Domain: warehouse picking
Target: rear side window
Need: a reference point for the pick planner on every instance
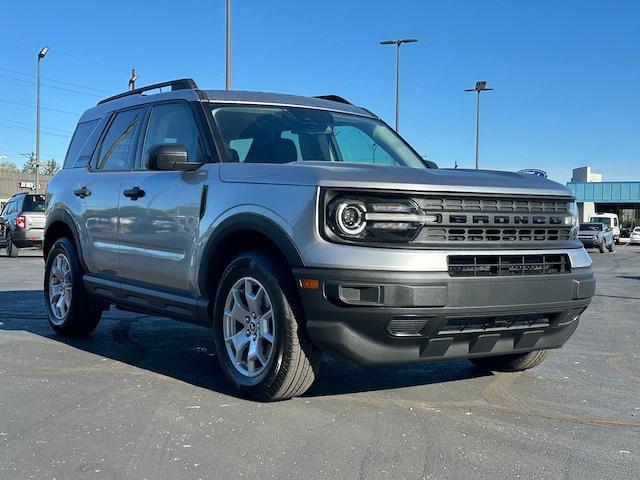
(80, 137)
(33, 203)
(117, 149)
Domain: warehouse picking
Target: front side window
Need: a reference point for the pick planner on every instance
(279, 134)
(117, 149)
(172, 123)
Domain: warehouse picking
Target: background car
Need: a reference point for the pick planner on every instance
(22, 223)
(635, 236)
(596, 235)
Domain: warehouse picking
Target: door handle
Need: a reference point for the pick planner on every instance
(82, 192)
(134, 193)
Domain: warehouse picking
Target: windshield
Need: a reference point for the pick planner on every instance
(636, 230)
(278, 134)
(33, 203)
(591, 227)
(602, 220)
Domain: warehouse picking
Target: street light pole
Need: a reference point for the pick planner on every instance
(397, 43)
(41, 54)
(481, 86)
(228, 74)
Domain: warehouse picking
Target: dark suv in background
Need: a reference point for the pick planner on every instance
(22, 223)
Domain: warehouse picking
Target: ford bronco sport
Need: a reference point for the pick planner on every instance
(293, 226)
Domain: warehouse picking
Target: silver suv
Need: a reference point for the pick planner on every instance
(22, 222)
(293, 226)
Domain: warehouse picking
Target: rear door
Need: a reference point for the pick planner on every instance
(159, 228)
(99, 191)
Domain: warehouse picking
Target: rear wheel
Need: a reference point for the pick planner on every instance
(66, 302)
(261, 341)
(512, 363)
(10, 248)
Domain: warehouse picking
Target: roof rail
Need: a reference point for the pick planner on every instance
(334, 98)
(180, 84)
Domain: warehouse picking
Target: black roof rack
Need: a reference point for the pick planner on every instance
(180, 84)
(334, 98)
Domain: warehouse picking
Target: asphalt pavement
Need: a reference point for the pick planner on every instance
(143, 398)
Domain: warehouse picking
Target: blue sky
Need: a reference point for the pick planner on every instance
(565, 74)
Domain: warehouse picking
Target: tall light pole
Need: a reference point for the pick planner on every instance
(481, 86)
(228, 77)
(41, 54)
(132, 80)
(397, 43)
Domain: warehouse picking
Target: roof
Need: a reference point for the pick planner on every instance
(264, 98)
(186, 89)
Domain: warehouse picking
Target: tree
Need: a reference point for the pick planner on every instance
(8, 166)
(30, 165)
(50, 167)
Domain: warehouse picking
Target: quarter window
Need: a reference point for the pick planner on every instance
(117, 149)
(83, 130)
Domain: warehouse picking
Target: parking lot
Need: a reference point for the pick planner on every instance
(144, 398)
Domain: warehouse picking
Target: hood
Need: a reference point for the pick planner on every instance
(378, 177)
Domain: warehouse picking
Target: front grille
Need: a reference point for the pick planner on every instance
(507, 265)
(494, 222)
(505, 205)
(493, 235)
(494, 323)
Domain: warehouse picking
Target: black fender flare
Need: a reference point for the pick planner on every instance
(61, 216)
(248, 221)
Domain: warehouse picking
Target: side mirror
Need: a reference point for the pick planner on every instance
(431, 164)
(170, 157)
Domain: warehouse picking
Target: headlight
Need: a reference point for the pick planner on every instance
(350, 217)
(376, 219)
(573, 220)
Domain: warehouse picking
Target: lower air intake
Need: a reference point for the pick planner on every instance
(407, 326)
(507, 265)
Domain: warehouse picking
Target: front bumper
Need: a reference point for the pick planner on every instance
(590, 242)
(373, 317)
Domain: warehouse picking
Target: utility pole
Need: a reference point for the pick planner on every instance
(397, 43)
(132, 80)
(228, 56)
(481, 86)
(41, 54)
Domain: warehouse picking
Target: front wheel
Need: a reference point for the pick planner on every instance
(516, 362)
(66, 301)
(261, 341)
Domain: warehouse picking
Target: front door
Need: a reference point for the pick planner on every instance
(160, 210)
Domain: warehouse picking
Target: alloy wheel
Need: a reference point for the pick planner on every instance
(248, 327)
(60, 288)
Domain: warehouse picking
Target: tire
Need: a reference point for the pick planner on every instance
(512, 363)
(75, 317)
(10, 248)
(610, 247)
(601, 247)
(282, 368)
